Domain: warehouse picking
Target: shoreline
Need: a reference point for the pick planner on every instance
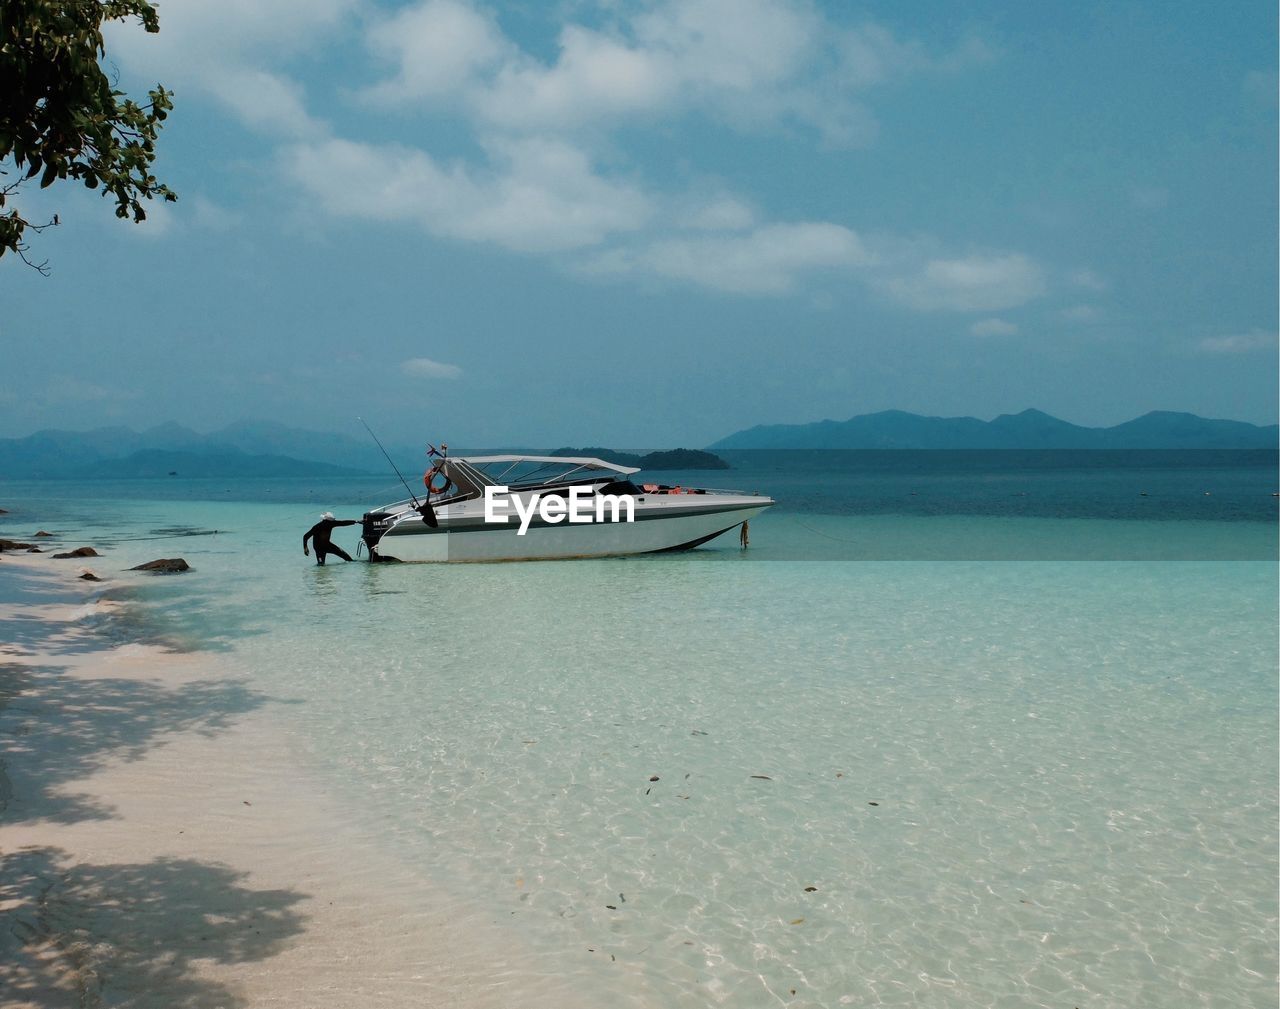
(161, 845)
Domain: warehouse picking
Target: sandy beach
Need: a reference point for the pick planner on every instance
(161, 848)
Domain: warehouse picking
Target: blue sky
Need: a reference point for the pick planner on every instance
(650, 224)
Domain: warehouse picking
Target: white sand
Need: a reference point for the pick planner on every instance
(159, 846)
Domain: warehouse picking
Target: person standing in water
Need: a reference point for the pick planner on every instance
(320, 533)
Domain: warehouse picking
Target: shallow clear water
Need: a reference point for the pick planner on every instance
(1021, 782)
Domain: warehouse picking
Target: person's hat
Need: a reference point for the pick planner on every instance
(327, 515)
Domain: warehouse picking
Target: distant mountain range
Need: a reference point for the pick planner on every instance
(243, 449)
(248, 449)
(1031, 429)
(268, 449)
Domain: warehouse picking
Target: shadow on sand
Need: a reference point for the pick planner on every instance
(57, 729)
(81, 934)
(89, 935)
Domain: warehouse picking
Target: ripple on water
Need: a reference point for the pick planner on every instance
(1031, 784)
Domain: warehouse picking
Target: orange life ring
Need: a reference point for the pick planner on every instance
(430, 475)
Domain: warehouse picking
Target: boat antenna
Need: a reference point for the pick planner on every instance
(388, 458)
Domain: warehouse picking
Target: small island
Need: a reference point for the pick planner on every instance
(676, 458)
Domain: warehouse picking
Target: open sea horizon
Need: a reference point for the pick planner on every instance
(958, 729)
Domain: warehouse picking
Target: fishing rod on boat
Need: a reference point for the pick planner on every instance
(424, 507)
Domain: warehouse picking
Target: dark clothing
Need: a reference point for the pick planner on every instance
(331, 549)
(320, 533)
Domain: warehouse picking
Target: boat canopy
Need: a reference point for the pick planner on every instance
(471, 474)
(577, 462)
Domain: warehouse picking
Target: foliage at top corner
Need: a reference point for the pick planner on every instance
(62, 118)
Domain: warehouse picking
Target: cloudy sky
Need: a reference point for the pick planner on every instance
(654, 223)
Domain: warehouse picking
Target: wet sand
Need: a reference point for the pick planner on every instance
(160, 846)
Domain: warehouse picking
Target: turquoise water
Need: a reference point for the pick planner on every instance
(1009, 782)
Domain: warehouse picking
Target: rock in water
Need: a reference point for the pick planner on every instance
(164, 566)
(12, 545)
(89, 576)
(79, 552)
(42, 534)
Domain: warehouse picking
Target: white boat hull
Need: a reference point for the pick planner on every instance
(671, 524)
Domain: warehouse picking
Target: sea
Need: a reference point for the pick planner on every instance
(957, 729)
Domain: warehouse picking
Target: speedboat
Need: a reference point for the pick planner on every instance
(530, 507)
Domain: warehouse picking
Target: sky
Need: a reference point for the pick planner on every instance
(650, 224)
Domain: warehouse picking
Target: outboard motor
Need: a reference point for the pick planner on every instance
(373, 524)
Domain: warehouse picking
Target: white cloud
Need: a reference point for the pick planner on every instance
(539, 184)
(975, 283)
(871, 54)
(548, 196)
(776, 258)
(720, 213)
(736, 45)
(424, 367)
(218, 47)
(438, 47)
(749, 63)
(536, 195)
(1087, 279)
(160, 222)
(266, 102)
(209, 215)
(1240, 343)
(1081, 313)
(165, 219)
(540, 195)
(191, 28)
(596, 77)
(672, 55)
(767, 260)
(993, 327)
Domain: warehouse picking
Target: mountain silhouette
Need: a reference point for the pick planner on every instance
(1030, 429)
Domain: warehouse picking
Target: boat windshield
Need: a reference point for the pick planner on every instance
(473, 474)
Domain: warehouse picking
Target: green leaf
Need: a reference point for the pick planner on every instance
(61, 117)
